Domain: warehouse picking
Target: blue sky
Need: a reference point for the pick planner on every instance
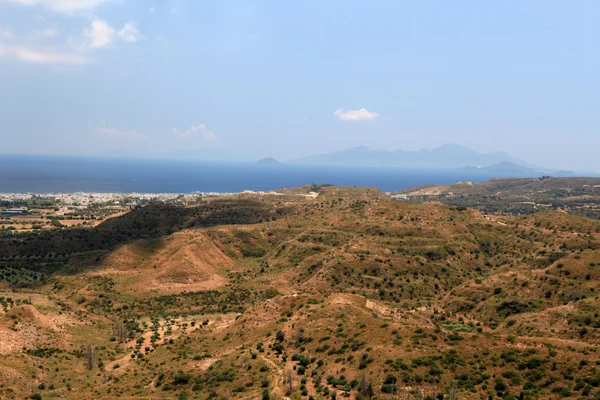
(249, 79)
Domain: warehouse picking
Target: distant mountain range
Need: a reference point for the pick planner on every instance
(448, 156)
(507, 168)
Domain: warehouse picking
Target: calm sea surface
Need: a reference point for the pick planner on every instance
(47, 174)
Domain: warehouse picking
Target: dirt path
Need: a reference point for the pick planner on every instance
(493, 220)
(278, 382)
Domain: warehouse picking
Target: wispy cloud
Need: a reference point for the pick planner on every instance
(40, 56)
(113, 132)
(63, 6)
(102, 34)
(130, 33)
(48, 32)
(6, 34)
(74, 51)
(355, 115)
(46, 46)
(200, 130)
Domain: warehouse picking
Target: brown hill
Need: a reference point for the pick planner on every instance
(515, 196)
(186, 260)
(349, 295)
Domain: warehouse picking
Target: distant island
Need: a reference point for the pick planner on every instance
(268, 161)
(509, 169)
(448, 156)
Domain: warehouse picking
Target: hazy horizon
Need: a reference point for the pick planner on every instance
(247, 158)
(233, 81)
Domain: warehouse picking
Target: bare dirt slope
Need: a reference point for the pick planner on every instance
(187, 260)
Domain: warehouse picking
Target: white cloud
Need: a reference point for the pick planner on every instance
(113, 132)
(40, 47)
(201, 129)
(130, 33)
(43, 45)
(40, 56)
(63, 6)
(102, 34)
(355, 115)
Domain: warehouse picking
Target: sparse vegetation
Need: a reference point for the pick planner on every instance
(343, 295)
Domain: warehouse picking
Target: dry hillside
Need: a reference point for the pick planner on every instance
(347, 294)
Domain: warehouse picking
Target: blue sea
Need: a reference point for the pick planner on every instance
(61, 174)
